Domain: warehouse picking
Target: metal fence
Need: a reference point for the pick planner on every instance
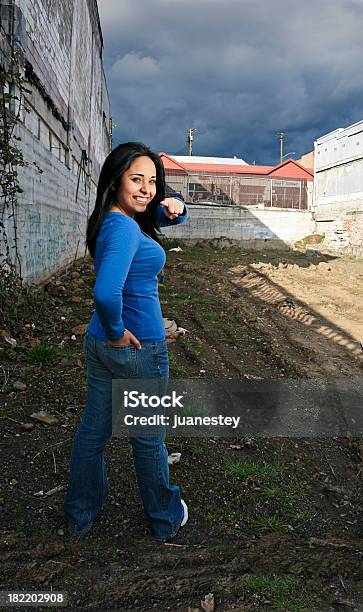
(240, 190)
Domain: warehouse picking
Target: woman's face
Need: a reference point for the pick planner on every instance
(137, 186)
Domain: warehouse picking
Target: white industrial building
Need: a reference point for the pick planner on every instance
(339, 188)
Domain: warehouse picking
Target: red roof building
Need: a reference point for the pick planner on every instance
(285, 185)
(292, 169)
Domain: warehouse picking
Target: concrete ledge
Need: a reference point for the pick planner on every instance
(251, 228)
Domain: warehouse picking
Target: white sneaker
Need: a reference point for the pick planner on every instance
(186, 514)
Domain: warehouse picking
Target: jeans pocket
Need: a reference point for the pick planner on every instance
(121, 360)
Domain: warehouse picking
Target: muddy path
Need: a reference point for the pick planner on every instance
(274, 523)
(281, 314)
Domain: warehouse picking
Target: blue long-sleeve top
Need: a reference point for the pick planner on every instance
(127, 262)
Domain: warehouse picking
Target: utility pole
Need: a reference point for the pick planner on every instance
(190, 140)
(282, 137)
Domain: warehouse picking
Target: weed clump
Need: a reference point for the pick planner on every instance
(42, 354)
(284, 593)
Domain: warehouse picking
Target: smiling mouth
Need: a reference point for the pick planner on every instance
(141, 200)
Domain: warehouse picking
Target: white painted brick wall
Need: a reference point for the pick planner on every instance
(48, 26)
(50, 223)
(82, 70)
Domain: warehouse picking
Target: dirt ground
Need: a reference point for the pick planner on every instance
(275, 524)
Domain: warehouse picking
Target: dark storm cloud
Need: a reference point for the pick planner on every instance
(239, 71)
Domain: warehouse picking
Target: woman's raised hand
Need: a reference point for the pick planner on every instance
(127, 338)
(173, 207)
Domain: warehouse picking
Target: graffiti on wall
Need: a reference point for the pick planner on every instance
(50, 241)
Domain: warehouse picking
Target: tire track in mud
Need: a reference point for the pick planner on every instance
(172, 577)
(291, 324)
(224, 364)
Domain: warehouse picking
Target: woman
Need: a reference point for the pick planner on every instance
(126, 336)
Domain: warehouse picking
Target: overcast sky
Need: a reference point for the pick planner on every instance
(239, 71)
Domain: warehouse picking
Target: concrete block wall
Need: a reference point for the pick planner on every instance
(252, 228)
(50, 223)
(82, 72)
(68, 112)
(45, 33)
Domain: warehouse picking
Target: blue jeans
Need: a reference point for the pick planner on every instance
(88, 484)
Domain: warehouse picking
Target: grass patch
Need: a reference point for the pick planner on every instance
(67, 358)
(182, 299)
(194, 411)
(299, 517)
(267, 472)
(193, 299)
(12, 354)
(194, 345)
(203, 300)
(293, 490)
(176, 369)
(199, 447)
(223, 521)
(265, 522)
(42, 354)
(273, 484)
(210, 316)
(273, 479)
(289, 517)
(201, 254)
(284, 593)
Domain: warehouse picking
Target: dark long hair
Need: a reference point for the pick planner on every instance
(116, 163)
